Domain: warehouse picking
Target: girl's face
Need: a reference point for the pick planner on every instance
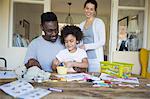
(70, 43)
(89, 10)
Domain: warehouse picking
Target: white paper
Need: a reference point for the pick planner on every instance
(36, 93)
(71, 77)
(77, 76)
(22, 89)
(112, 78)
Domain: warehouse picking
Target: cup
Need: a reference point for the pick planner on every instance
(61, 70)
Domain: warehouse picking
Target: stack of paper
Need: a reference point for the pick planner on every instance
(77, 76)
(112, 78)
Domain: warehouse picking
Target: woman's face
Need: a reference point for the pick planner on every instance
(89, 10)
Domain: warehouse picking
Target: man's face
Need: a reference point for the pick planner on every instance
(51, 30)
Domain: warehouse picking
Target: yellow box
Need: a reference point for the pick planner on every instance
(118, 69)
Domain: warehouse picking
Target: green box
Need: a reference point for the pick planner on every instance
(118, 69)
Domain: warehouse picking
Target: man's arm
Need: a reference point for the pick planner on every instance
(55, 63)
(32, 62)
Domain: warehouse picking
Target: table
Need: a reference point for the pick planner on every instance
(84, 90)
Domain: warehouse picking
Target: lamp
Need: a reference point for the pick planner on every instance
(69, 20)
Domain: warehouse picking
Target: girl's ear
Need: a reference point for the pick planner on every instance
(77, 42)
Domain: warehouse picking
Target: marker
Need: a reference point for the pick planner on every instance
(56, 90)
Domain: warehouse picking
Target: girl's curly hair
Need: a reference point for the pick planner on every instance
(73, 30)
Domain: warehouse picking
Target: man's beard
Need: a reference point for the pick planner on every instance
(51, 38)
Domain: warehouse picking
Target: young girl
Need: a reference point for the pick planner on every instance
(73, 57)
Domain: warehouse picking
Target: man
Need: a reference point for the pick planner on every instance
(43, 49)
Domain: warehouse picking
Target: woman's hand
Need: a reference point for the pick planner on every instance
(82, 46)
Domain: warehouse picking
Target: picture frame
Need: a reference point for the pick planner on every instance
(123, 21)
(122, 33)
(26, 26)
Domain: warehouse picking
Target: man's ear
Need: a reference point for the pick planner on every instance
(41, 27)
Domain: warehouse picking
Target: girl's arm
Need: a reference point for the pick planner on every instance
(83, 64)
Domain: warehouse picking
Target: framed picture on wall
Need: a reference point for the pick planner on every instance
(122, 34)
(26, 26)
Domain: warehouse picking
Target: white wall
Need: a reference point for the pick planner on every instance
(14, 56)
(4, 22)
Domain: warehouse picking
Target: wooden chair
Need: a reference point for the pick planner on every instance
(5, 61)
(144, 58)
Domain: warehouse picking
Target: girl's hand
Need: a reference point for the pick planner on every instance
(68, 64)
(55, 62)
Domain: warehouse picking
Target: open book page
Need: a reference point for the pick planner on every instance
(7, 74)
(36, 93)
(23, 89)
(16, 88)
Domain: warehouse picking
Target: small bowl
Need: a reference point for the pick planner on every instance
(61, 70)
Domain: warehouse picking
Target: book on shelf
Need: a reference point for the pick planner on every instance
(24, 90)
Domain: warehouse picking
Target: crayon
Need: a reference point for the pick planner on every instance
(56, 90)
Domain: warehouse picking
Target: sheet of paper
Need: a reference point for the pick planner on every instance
(36, 93)
(7, 74)
(71, 77)
(78, 76)
(16, 88)
(23, 89)
(112, 78)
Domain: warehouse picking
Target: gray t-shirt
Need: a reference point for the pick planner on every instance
(89, 38)
(43, 51)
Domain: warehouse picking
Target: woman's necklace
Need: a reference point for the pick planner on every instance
(88, 23)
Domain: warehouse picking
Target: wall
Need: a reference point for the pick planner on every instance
(4, 22)
(14, 56)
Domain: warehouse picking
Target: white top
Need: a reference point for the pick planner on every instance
(99, 38)
(43, 51)
(65, 55)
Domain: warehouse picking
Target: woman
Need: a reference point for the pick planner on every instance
(94, 36)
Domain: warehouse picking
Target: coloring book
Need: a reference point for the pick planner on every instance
(24, 90)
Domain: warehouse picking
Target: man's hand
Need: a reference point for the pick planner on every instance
(33, 62)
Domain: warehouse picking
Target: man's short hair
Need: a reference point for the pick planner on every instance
(48, 16)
